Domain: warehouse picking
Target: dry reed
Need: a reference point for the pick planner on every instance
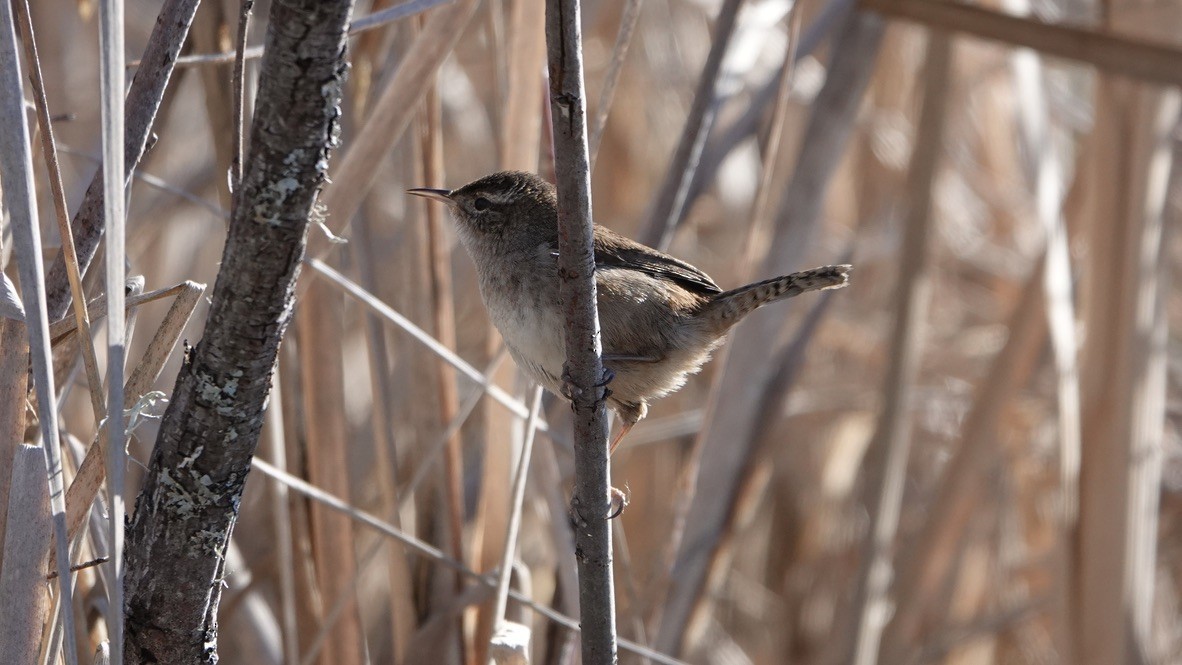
(1026, 508)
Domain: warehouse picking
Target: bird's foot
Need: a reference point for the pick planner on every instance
(617, 502)
(608, 375)
(571, 390)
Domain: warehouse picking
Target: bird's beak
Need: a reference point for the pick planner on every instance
(427, 193)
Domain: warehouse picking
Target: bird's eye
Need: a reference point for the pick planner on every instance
(481, 204)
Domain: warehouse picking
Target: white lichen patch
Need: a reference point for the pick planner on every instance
(182, 501)
(220, 396)
(176, 498)
(269, 199)
(286, 186)
(191, 457)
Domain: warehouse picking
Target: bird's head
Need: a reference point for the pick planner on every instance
(512, 207)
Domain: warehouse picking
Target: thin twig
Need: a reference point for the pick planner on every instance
(584, 365)
(276, 442)
(96, 307)
(239, 93)
(81, 566)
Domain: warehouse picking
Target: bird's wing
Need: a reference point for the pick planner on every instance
(613, 250)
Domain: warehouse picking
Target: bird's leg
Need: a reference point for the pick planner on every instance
(618, 499)
(626, 358)
(616, 441)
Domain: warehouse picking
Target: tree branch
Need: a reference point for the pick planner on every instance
(184, 516)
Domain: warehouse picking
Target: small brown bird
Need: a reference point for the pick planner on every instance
(659, 317)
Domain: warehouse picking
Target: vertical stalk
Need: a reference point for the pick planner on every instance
(584, 366)
(20, 202)
(111, 84)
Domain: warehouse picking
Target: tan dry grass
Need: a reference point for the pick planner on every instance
(989, 566)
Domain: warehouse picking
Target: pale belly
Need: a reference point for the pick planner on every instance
(535, 340)
(530, 321)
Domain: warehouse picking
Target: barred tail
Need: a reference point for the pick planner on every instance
(727, 309)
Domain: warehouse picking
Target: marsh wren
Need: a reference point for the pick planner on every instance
(659, 317)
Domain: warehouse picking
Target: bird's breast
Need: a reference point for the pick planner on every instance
(522, 302)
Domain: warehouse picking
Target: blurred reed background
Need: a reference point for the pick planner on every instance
(969, 456)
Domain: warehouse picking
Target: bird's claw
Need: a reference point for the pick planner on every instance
(571, 390)
(606, 377)
(617, 502)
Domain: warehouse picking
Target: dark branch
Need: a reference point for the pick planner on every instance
(177, 539)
